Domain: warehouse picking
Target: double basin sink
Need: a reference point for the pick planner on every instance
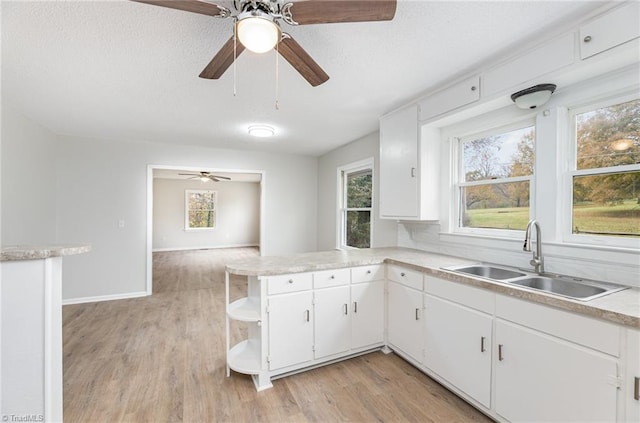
(564, 286)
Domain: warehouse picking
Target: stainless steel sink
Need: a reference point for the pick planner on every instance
(565, 286)
(487, 271)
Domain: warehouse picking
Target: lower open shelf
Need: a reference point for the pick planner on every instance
(245, 358)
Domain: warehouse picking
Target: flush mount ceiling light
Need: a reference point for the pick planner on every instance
(261, 131)
(533, 97)
(257, 31)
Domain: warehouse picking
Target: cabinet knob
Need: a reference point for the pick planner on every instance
(587, 38)
(290, 281)
(402, 274)
(473, 88)
(332, 277)
(368, 272)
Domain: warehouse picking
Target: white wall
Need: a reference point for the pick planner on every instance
(103, 181)
(28, 181)
(237, 215)
(384, 231)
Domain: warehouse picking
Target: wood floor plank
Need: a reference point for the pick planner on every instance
(162, 359)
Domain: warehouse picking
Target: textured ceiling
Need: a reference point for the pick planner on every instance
(125, 70)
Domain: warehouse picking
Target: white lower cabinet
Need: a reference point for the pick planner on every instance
(458, 346)
(367, 314)
(542, 378)
(332, 321)
(404, 320)
(290, 329)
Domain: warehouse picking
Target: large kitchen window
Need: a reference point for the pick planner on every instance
(494, 189)
(604, 179)
(200, 209)
(356, 199)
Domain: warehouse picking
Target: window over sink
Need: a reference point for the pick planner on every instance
(494, 181)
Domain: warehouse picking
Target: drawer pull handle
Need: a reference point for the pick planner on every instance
(417, 314)
(368, 272)
(636, 388)
(482, 349)
(332, 277)
(290, 281)
(500, 356)
(587, 38)
(402, 274)
(346, 309)
(308, 314)
(355, 306)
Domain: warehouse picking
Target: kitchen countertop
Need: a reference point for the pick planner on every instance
(39, 252)
(621, 307)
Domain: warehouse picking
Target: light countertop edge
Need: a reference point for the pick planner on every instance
(40, 252)
(621, 307)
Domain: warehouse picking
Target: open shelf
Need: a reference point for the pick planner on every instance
(244, 309)
(244, 357)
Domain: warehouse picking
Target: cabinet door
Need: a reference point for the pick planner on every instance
(631, 386)
(290, 329)
(404, 320)
(367, 314)
(542, 378)
(399, 164)
(613, 28)
(458, 346)
(332, 321)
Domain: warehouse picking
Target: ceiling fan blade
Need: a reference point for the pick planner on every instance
(309, 12)
(222, 60)
(222, 177)
(187, 174)
(195, 6)
(301, 61)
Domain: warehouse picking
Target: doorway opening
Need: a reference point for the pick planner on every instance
(192, 208)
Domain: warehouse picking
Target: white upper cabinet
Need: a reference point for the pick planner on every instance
(451, 98)
(409, 167)
(612, 29)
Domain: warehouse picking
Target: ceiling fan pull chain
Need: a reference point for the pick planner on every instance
(277, 74)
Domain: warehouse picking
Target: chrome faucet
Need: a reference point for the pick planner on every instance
(537, 262)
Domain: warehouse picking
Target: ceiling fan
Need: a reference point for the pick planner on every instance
(257, 25)
(205, 176)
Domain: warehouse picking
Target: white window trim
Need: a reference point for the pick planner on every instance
(570, 171)
(458, 176)
(341, 235)
(186, 210)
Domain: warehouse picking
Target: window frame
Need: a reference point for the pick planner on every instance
(570, 171)
(343, 171)
(187, 193)
(459, 183)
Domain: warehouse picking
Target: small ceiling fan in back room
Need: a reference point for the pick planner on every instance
(205, 176)
(257, 25)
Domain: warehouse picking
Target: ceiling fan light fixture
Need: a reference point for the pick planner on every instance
(533, 97)
(261, 131)
(257, 31)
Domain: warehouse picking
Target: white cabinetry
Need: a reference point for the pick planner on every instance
(332, 321)
(367, 317)
(290, 329)
(631, 383)
(610, 30)
(556, 368)
(409, 166)
(451, 98)
(404, 312)
(458, 346)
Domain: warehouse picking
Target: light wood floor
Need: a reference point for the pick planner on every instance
(162, 359)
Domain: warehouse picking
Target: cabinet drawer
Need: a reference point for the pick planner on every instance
(410, 278)
(281, 284)
(367, 273)
(328, 278)
(612, 29)
(586, 331)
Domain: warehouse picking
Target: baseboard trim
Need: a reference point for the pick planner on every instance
(100, 298)
(204, 247)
